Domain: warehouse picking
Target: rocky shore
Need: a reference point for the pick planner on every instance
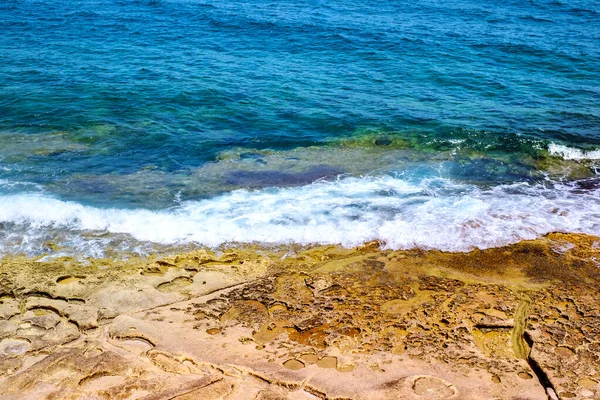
(518, 322)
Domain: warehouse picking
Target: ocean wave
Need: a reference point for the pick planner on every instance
(431, 214)
(572, 153)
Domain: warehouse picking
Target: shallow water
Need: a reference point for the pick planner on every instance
(434, 124)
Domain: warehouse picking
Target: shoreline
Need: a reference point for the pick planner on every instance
(520, 321)
(416, 211)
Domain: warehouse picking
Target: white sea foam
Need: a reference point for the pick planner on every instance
(572, 153)
(434, 213)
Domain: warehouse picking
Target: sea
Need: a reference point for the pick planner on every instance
(140, 126)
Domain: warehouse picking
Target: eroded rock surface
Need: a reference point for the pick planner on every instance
(521, 322)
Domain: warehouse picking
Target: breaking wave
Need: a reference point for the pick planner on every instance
(432, 213)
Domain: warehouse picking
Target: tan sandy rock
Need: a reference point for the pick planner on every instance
(520, 322)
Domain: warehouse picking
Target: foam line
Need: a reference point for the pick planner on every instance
(433, 214)
(572, 153)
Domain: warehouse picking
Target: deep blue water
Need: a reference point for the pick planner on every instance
(149, 107)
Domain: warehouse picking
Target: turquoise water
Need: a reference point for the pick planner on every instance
(132, 125)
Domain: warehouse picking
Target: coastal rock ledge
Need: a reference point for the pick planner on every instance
(247, 322)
